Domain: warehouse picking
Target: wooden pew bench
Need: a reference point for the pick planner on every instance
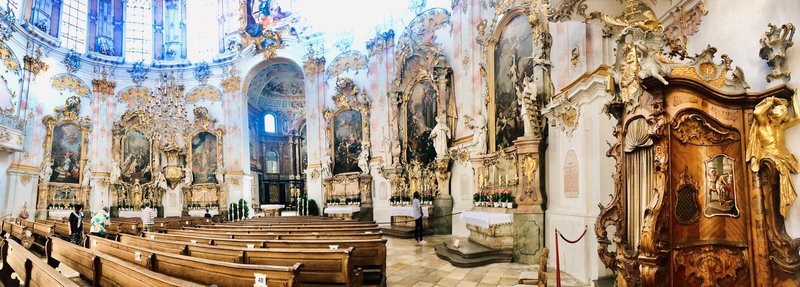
(42, 232)
(19, 232)
(205, 271)
(368, 254)
(30, 269)
(321, 266)
(107, 270)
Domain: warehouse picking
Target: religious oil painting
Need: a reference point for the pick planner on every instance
(347, 141)
(136, 158)
(421, 113)
(512, 65)
(64, 194)
(66, 153)
(720, 187)
(204, 158)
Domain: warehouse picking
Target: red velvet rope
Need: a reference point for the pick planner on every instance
(572, 241)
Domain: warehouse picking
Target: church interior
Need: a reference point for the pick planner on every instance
(399, 143)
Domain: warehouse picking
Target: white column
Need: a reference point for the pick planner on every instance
(238, 181)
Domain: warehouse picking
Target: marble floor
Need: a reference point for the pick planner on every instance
(410, 265)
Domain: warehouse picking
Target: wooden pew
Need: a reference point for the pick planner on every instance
(209, 272)
(107, 270)
(320, 265)
(42, 231)
(297, 230)
(30, 270)
(368, 254)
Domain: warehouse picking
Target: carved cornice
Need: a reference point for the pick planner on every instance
(313, 66)
(103, 86)
(694, 128)
(708, 265)
(231, 84)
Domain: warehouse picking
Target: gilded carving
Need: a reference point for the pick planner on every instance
(206, 186)
(232, 83)
(66, 146)
(135, 95)
(773, 49)
(68, 82)
(707, 265)
(767, 141)
(103, 86)
(34, 63)
(704, 69)
(347, 61)
(11, 62)
(694, 128)
(203, 92)
(684, 24)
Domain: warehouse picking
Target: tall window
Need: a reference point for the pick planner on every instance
(139, 30)
(73, 25)
(272, 162)
(203, 30)
(173, 29)
(269, 123)
(41, 16)
(104, 41)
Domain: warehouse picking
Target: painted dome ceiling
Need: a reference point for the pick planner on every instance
(277, 86)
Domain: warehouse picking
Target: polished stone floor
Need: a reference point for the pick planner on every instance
(410, 265)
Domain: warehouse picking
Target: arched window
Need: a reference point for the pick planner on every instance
(173, 30)
(139, 31)
(203, 30)
(272, 162)
(73, 25)
(270, 125)
(104, 38)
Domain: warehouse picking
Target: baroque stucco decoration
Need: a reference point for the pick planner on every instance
(346, 61)
(773, 50)
(65, 191)
(203, 92)
(69, 82)
(9, 60)
(135, 96)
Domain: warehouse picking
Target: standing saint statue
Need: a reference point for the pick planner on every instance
(115, 172)
(440, 135)
(325, 161)
(363, 159)
(46, 172)
(479, 133)
(188, 177)
(220, 174)
(87, 175)
(524, 97)
(767, 141)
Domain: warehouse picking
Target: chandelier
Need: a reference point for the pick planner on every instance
(166, 112)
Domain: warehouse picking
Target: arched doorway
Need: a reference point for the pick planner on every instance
(276, 97)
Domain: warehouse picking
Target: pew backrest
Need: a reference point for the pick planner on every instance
(30, 269)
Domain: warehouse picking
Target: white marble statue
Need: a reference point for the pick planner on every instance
(325, 161)
(527, 95)
(479, 133)
(161, 180)
(46, 172)
(440, 135)
(363, 159)
(115, 172)
(188, 177)
(87, 175)
(220, 174)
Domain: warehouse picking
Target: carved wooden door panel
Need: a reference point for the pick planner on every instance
(708, 200)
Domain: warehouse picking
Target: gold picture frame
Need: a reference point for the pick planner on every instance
(203, 123)
(69, 115)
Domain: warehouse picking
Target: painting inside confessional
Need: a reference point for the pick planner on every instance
(720, 187)
(66, 153)
(204, 158)
(512, 69)
(347, 141)
(422, 109)
(136, 158)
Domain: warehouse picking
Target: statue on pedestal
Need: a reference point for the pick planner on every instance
(479, 133)
(325, 161)
(188, 177)
(116, 172)
(220, 174)
(46, 172)
(363, 159)
(440, 135)
(87, 175)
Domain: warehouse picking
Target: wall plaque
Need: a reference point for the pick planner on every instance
(571, 179)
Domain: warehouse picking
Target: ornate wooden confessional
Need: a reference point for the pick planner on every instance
(690, 207)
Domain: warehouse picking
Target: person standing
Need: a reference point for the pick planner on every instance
(417, 213)
(100, 220)
(208, 214)
(76, 225)
(148, 214)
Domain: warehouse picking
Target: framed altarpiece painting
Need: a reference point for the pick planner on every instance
(135, 163)
(348, 134)
(62, 179)
(205, 162)
(697, 202)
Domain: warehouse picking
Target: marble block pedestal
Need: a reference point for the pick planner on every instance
(528, 237)
(442, 218)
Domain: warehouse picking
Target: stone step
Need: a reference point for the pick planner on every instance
(462, 257)
(402, 232)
